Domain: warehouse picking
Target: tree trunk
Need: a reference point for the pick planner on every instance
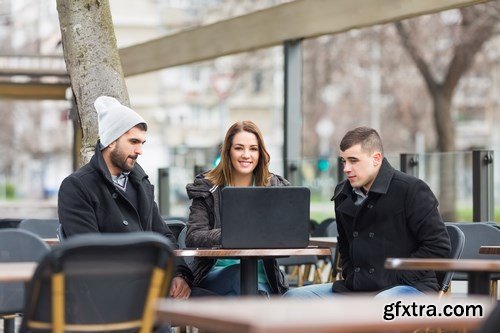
(446, 144)
(92, 61)
(442, 121)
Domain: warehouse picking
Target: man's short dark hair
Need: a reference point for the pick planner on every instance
(142, 126)
(368, 138)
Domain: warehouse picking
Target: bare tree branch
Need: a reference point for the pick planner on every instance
(477, 28)
(416, 56)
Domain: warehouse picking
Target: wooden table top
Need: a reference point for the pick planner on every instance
(229, 253)
(51, 241)
(489, 249)
(323, 241)
(460, 265)
(279, 315)
(23, 271)
(16, 271)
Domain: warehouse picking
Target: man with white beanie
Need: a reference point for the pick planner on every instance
(112, 192)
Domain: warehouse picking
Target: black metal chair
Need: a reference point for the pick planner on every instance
(299, 268)
(476, 235)
(336, 265)
(45, 228)
(175, 226)
(492, 322)
(17, 245)
(181, 241)
(320, 230)
(457, 242)
(174, 217)
(99, 282)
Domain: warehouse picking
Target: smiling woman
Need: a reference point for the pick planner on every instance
(244, 162)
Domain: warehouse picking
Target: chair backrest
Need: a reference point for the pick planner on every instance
(45, 228)
(108, 281)
(320, 230)
(17, 245)
(173, 217)
(331, 230)
(457, 242)
(476, 235)
(181, 239)
(175, 226)
(492, 322)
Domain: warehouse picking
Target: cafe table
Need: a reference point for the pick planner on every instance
(323, 241)
(23, 271)
(489, 249)
(16, 271)
(249, 259)
(361, 314)
(478, 270)
(51, 241)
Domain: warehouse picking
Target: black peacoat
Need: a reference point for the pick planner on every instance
(90, 202)
(399, 218)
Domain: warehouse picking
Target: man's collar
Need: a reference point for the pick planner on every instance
(383, 179)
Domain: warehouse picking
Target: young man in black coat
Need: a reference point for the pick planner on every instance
(381, 213)
(112, 192)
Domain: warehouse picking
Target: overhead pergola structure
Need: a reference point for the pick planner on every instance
(33, 77)
(287, 24)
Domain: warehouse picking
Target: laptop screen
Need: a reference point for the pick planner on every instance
(265, 217)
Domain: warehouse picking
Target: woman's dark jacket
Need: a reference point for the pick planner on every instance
(398, 219)
(90, 202)
(204, 229)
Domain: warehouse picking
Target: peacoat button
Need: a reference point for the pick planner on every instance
(369, 206)
(114, 195)
(371, 234)
(355, 234)
(371, 270)
(357, 269)
(125, 222)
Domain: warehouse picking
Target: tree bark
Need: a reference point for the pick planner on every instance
(92, 61)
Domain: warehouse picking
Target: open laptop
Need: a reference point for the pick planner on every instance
(265, 217)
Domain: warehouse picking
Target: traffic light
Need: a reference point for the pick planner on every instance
(323, 164)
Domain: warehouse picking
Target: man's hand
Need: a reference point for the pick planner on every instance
(179, 288)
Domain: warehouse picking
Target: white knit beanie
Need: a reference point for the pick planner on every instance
(114, 119)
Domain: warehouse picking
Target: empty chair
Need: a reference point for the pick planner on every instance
(331, 229)
(299, 267)
(320, 230)
(172, 217)
(457, 242)
(45, 228)
(175, 226)
(99, 282)
(336, 266)
(492, 322)
(17, 245)
(476, 235)
(181, 241)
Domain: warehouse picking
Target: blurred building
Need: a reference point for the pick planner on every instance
(37, 135)
(190, 107)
